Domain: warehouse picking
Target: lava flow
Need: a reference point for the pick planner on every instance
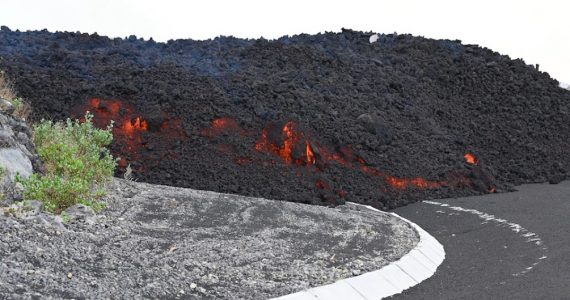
(293, 146)
(128, 129)
(131, 131)
(470, 158)
(291, 138)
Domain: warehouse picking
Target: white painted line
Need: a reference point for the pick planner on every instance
(528, 236)
(411, 269)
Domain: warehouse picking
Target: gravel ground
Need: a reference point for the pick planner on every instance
(165, 242)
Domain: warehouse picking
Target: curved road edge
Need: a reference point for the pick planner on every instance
(416, 266)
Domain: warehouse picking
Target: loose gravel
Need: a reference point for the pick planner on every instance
(165, 242)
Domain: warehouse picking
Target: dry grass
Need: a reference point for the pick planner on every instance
(6, 87)
(23, 109)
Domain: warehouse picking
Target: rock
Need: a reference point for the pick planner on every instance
(15, 162)
(17, 156)
(6, 106)
(373, 38)
(18, 192)
(80, 213)
(33, 207)
(376, 126)
(193, 286)
(24, 209)
(556, 179)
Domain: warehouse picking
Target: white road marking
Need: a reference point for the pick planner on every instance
(529, 236)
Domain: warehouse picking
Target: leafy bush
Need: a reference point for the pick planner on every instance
(21, 108)
(77, 164)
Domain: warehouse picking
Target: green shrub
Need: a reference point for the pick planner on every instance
(77, 164)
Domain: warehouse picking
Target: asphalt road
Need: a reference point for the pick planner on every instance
(500, 246)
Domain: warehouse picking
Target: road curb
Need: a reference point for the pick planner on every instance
(416, 266)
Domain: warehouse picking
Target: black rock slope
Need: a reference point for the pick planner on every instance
(310, 118)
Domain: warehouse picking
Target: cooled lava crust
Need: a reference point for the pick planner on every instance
(318, 119)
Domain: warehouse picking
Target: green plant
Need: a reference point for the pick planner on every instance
(65, 217)
(17, 102)
(76, 161)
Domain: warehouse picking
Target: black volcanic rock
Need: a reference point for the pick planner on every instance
(406, 106)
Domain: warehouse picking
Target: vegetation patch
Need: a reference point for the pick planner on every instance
(77, 163)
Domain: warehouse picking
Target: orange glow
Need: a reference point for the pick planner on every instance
(310, 155)
(129, 126)
(397, 183)
(286, 152)
(223, 125)
(493, 190)
(470, 158)
(292, 138)
(95, 102)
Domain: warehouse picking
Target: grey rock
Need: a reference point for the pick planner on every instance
(375, 125)
(7, 139)
(80, 213)
(24, 140)
(33, 207)
(6, 106)
(207, 244)
(15, 162)
(556, 179)
(17, 156)
(17, 192)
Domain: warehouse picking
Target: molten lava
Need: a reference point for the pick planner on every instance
(470, 158)
(292, 138)
(129, 128)
(310, 155)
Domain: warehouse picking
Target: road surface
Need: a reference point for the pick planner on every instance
(499, 246)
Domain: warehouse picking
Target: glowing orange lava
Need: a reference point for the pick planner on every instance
(470, 158)
(129, 128)
(294, 147)
(310, 155)
(292, 138)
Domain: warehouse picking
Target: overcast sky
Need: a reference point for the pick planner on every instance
(537, 31)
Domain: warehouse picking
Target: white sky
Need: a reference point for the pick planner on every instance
(537, 31)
